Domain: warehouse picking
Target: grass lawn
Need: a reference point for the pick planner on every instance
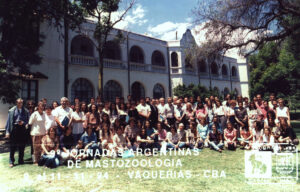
(232, 163)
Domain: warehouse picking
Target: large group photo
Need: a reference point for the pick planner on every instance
(139, 95)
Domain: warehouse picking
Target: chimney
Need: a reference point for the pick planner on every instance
(176, 35)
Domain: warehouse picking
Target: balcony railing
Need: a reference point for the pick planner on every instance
(114, 64)
(139, 66)
(190, 71)
(176, 70)
(158, 69)
(83, 60)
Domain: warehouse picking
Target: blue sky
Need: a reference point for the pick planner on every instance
(160, 18)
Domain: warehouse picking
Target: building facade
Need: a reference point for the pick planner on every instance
(134, 64)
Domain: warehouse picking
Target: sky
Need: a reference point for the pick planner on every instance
(159, 18)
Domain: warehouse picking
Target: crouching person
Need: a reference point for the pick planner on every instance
(50, 144)
(89, 140)
(230, 137)
(194, 138)
(215, 139)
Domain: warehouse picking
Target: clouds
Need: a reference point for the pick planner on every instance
(167, 30)
(135, 17)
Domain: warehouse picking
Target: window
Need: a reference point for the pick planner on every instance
(82, 89)
(158, 91)
(136, 55)
(82, 45)
(188, 61)
(112, 89)
(202, 66)
(112, 51)
(30, 90)
(224, 70)
(157, 58)
(137, 91)
(214, 68)
(233, 71)
(174, 59)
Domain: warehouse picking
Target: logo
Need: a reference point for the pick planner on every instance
(258, 164)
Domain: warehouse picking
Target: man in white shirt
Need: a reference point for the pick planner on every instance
(63, 115)
(169, 112)
(144, 110)
(161, 110)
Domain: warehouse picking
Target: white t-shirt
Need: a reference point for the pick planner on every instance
(78, 126)
(161, 110)
(144, 109)
(169, 110)
(282, 112)
(50, 121)
(37, 122)
(219, 111)
(61, 113)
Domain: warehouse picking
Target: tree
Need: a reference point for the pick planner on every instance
(194, 91)
(246, 24)
(21, 38)
(101, 11)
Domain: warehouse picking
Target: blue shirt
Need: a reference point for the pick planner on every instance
(202, 130)
(86, 139)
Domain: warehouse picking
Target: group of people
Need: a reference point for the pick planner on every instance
(56, 131)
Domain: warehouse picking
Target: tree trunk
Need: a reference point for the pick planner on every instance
(66, 56)
(100, 75)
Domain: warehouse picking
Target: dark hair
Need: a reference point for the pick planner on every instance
(48, 107)
(252, 103)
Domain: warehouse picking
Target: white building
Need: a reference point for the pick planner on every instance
(138, 65)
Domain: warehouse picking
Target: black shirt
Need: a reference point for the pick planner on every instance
(66, 141)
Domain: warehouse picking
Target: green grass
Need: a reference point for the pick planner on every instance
(232, 163)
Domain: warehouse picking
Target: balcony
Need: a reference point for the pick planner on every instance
(158, 69)
(113, 64)
(176, 70)
(83, 60)
(139, 66)
(190, 71)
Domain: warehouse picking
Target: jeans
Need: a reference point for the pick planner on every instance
(171, 146)
(94, 147)
(51, 161)
(216, 146)
(76, 137)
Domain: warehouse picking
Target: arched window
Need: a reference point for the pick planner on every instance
(188, 61)
(214, 69)
(157, 58)
(174, 59)
(82, 45)
(137, 91)
(233, 71)
(82, 89)
(158, 91)
(112, 89)
(136, 55)
(224, 70)
(202, 66)
(112, 51)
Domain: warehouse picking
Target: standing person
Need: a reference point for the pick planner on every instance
(215, 139)
(63, 115)
(30, 107)
(132, 112)
(54, 104)
(230, 137)
(154, 112)
(210, 111)
(253, 114)
(93, 119)
(77, 120)
(122, 113)
(38, 131)
(169, 113)
(179, 114)
(220, 113)
(283, 112)
(231, 113)
(271, 99)
(50, 119)
(161, 110)
(201, 111)
(241, 117)
(17, 120)
(92, 102)
(144, 110)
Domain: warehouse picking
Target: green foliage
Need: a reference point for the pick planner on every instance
(194, 90)
(275, 69)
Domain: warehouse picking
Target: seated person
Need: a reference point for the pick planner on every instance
(131, 132)
(151, 132)
(119, 140)
(202, 129)
(215, 139)
(230, 137)
(145, 142)
(246, 136)
(89, 139)
(75, 152)
(257, 133)
(173, 139)
(183, 136)
(268, 140)
(50, 145)
(66, 143)
(194, 138)
(105, 136)
(287, 134)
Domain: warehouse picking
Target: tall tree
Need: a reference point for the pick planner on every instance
(246, 24)
(101, 11)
